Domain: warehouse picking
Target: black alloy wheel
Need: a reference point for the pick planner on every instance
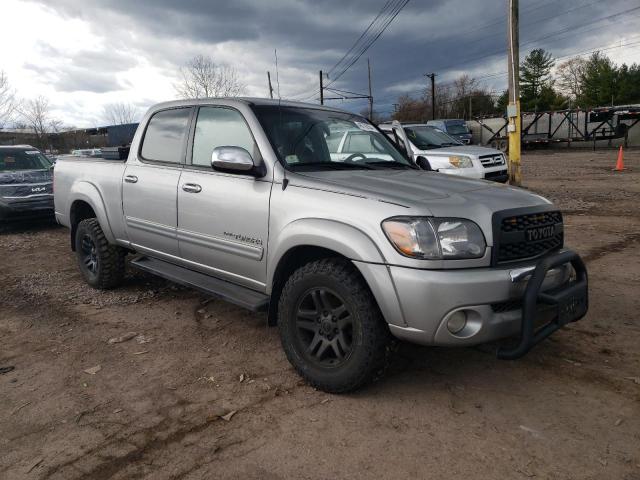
(324, 328)
(89, 254)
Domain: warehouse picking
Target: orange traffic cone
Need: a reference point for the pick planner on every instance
(620, 162)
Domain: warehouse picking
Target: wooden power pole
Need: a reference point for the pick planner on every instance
(513, 109)
(432, 76)
(370, 94)
(270, 87)
(321, 90)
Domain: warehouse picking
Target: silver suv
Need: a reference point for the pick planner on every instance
(250, 200)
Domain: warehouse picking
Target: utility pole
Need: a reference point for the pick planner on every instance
(470, 107)
(321, 90)
(513, 109)
(370, 94)
(270, 87)
(432, 76)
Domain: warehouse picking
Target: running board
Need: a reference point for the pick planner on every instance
(241, 296)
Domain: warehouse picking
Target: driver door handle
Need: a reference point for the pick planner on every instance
(131, 179)
(192, 188)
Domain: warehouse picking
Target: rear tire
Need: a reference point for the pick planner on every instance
(102, 265)
(331, 328)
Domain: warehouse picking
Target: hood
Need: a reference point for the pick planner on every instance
(435, 192)
(24, 183)
(426, 193)
(461, 150)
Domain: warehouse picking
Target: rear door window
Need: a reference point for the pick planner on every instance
(166, 135)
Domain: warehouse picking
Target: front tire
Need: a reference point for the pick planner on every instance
(331, 328)
(102, 265)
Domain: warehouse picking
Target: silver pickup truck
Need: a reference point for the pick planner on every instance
(244, 199)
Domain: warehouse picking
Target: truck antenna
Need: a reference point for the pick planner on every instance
(285, 180)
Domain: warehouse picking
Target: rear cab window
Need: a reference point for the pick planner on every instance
(165, 137)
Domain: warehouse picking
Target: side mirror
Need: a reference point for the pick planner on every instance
(233, 160)
(423, 163)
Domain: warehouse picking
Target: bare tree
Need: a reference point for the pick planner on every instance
(203, 78)
(120, 113)
(36, 114)
(570, 75)
(8, 100)
(464, 85)
(410, 109)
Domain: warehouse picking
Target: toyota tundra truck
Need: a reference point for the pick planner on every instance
(246, 200)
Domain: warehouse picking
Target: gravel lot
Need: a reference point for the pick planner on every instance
(161, 404)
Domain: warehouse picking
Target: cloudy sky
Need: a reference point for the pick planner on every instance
(83, 54)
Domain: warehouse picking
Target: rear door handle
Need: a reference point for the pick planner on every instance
(131, 179)
(192, 188)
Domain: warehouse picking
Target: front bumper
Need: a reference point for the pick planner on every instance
(495, 174)
(500, 176)
(30, 207)
(497, 302)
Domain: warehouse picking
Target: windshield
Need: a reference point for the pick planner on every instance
(314, 139)
(457, 128)
(425, 137)
(16, 159)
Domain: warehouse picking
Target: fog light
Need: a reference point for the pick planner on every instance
(457, 321)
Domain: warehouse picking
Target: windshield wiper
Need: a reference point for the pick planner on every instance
(333, 165)
(390, 164)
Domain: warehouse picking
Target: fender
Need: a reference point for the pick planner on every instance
(89, 193)
(340, 237)
(348, 241)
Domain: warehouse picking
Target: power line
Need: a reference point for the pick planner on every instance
(496, 74)
(375, 33)
(369, 27)
(387, 10)
(559, 32)
(360, 37)
(502, 18)
(544, 37)
(394, 13)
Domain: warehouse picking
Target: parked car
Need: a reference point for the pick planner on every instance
(87, 152)
(455, 128)
(433, 149)
(25, 184)
(243, 199)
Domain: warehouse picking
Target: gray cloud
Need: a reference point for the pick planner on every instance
(445, 36)
(72, 80)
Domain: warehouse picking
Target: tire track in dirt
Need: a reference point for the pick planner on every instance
(155, 441)
(625, 242)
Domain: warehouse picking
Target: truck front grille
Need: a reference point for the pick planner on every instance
(524, 236)
(489, 161)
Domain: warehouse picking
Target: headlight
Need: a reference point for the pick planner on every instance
(435, 238)
(460, 161)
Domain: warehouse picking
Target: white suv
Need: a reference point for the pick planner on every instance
(433, 149)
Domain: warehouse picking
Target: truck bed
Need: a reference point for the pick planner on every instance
(96, 179)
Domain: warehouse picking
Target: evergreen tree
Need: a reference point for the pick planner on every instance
(599, 82)
(502, 102)
(628, 86)
(535, 74)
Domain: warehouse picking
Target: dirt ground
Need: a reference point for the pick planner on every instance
(569, 410)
